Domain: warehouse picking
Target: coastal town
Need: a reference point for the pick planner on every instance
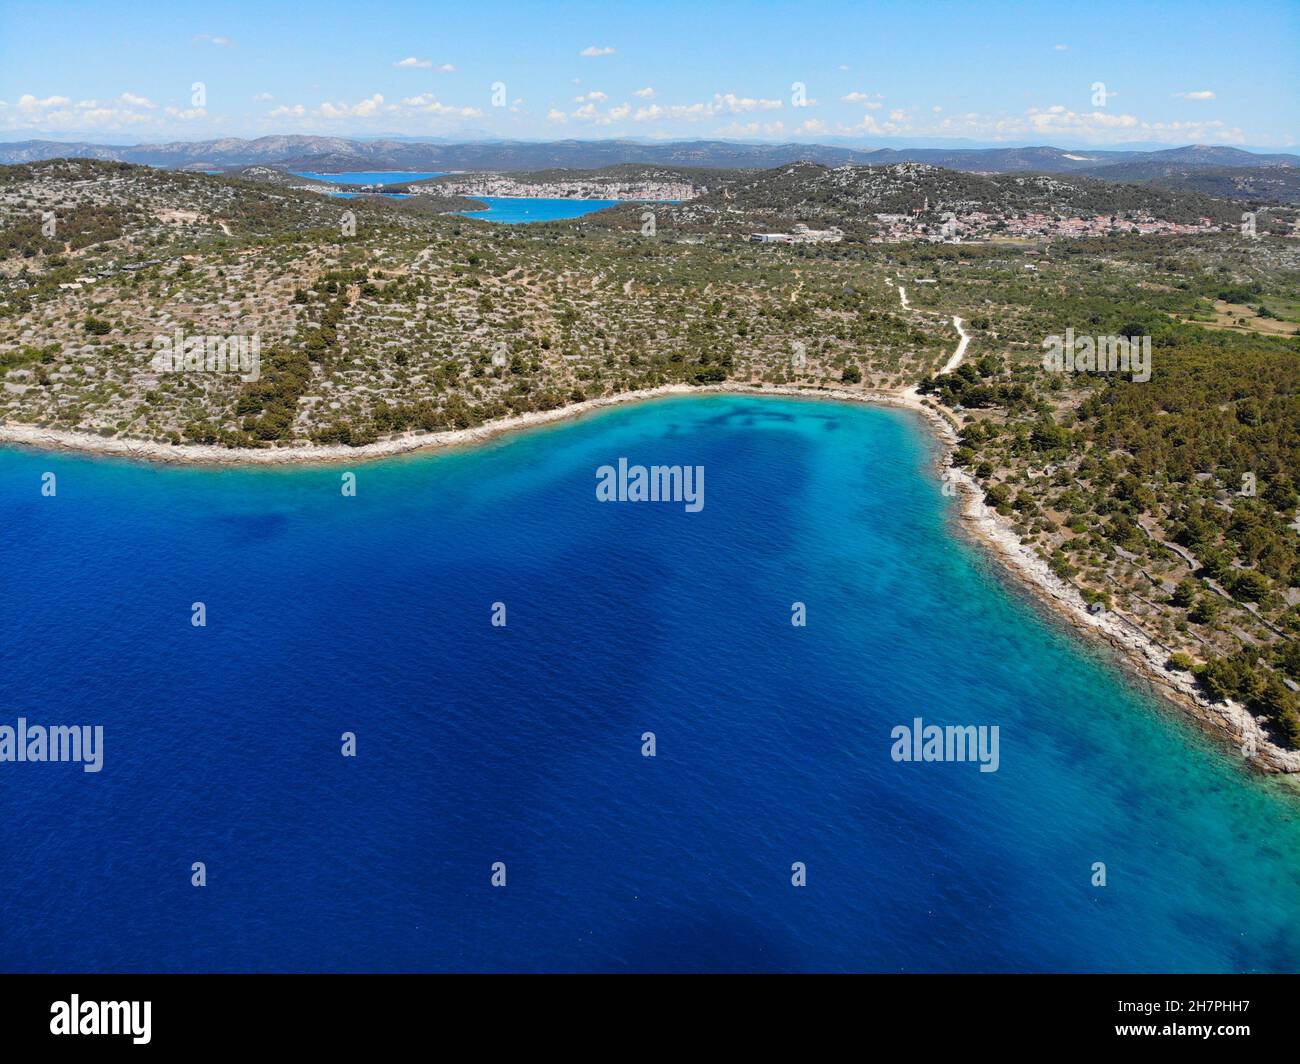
(649, 188)
(1032, 225)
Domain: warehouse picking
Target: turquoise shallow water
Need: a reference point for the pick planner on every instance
(371, 177)
(522, 744)
(514, 210)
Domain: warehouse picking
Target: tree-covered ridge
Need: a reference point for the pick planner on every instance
(411, 322)
(844, 195)
(1262, 185)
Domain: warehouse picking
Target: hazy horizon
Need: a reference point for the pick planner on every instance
(881, 144)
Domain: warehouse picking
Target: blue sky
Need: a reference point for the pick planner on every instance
(877, 73)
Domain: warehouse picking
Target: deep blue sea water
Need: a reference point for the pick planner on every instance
(513, 210)
(522, 744)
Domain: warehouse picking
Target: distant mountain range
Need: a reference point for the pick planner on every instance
(1212, 169)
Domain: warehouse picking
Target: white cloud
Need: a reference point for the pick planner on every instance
(413, 63)
(1061, 118)
(28, 102)
(370, 106)
(740, 104)
(592, 50)
(751, 129)
(871, 103)
(1056, 124)
(870, 126)
(61, 113)
(263, 97)
(427, 104)
(375, 106)
(1060, 47)
(646, 94)
(590, 113)
(207, 38)
(722, 103)
(1201, 94)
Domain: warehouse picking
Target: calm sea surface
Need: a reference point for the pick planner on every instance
(513, 210)
(522, 744)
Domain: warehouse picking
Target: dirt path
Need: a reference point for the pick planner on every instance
(960, 353)
(957, 355)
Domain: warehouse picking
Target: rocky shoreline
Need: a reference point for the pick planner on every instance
(1228, 721)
